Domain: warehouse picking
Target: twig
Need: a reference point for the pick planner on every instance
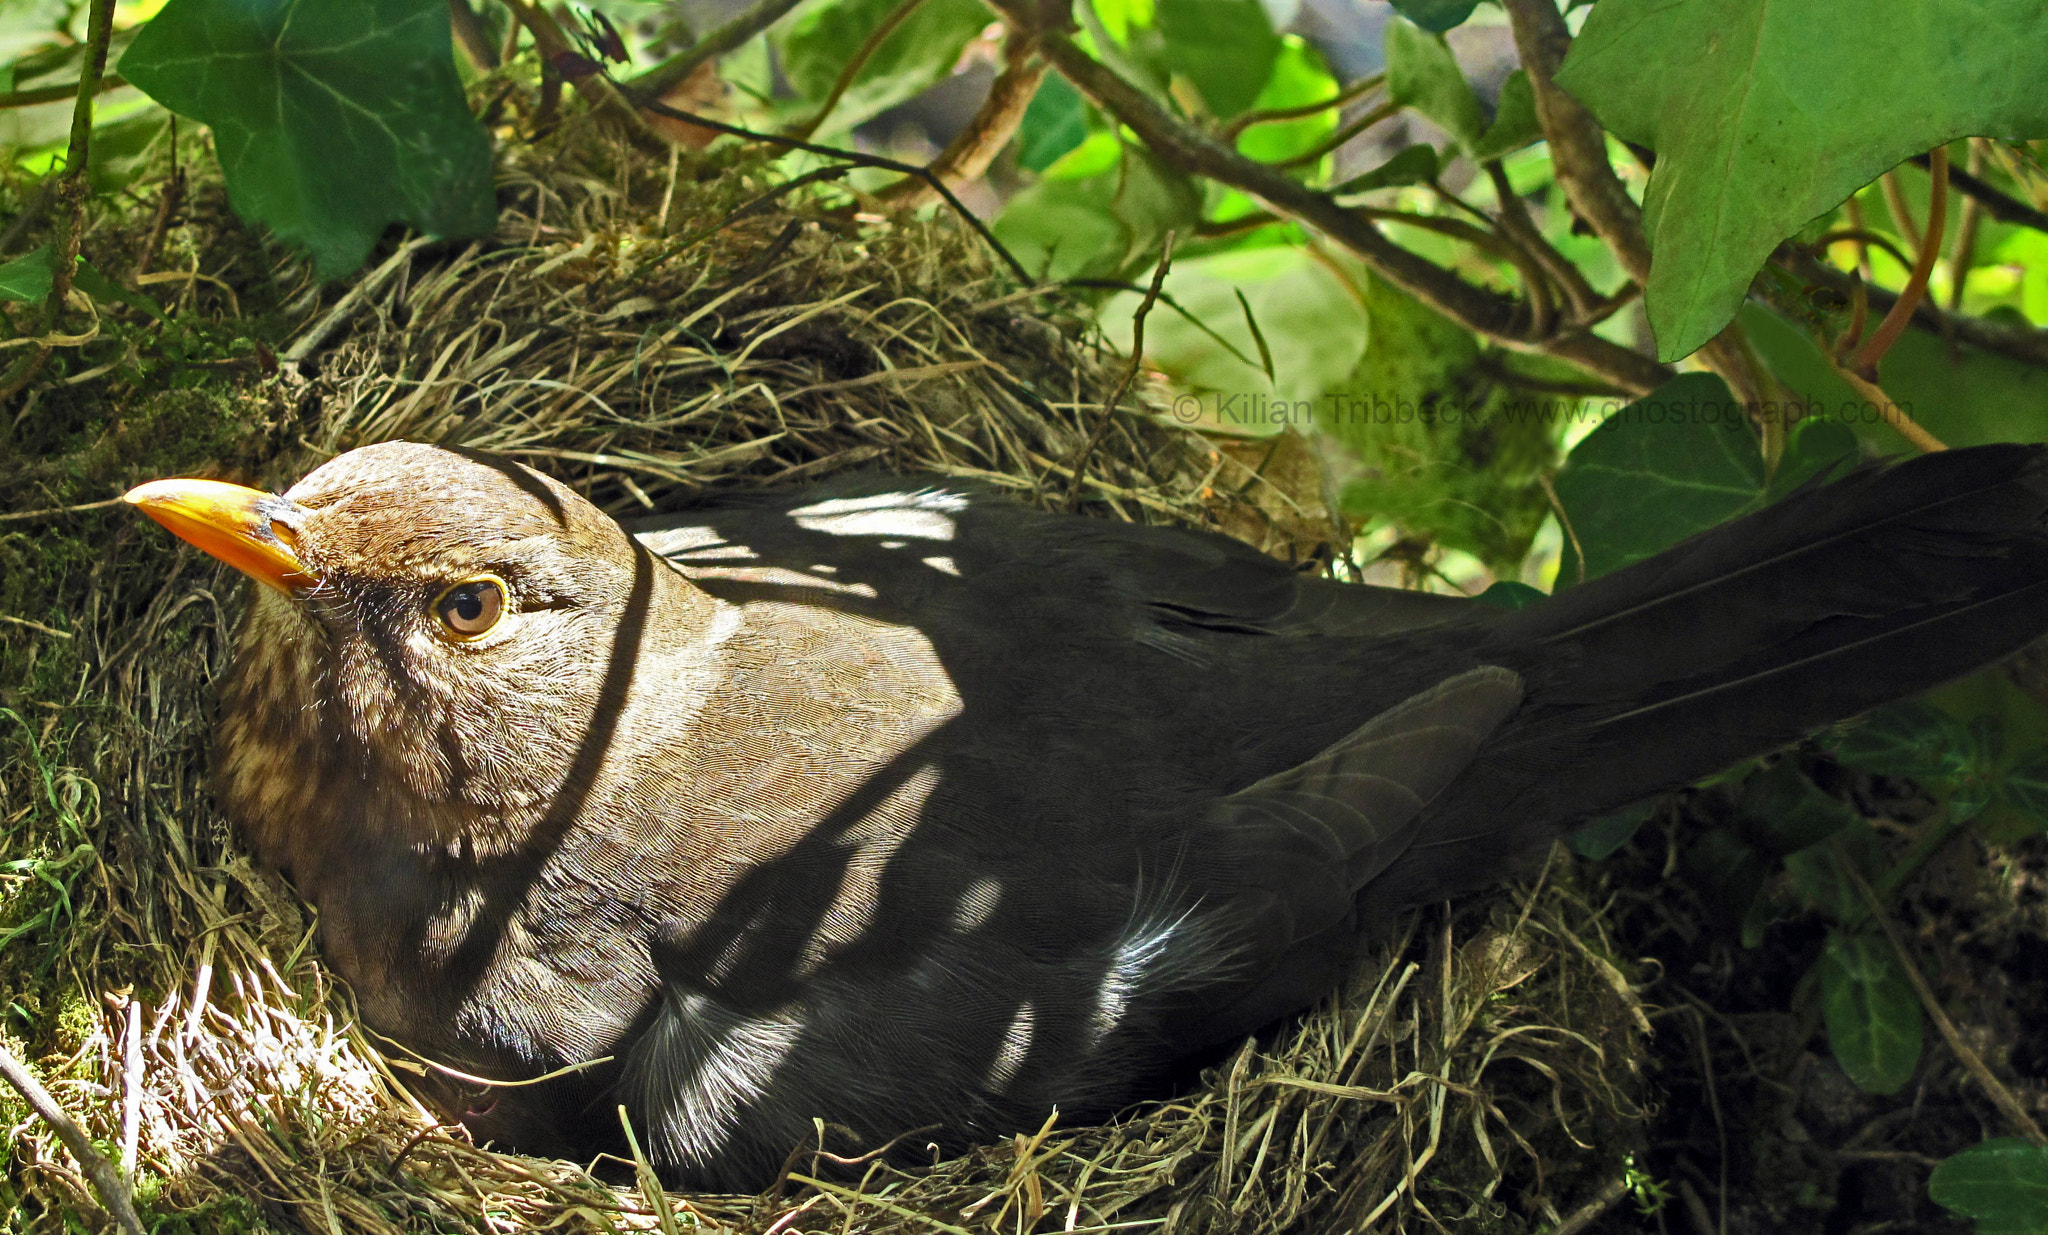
(650, 1183)
(1360, 87)
(1720, 1126)
(1997, 203)
(1894, 415)
(35, 625)
(971, 151)
(1863, 238)
(471, 36)
(1902, 214)
(351, 301)
(1359, 124)
(672, 72)
(861, 55)
(106, 1180)
(858, 159)
(57, 94)
(1578, 147)
(1516, 224)
(1564, 521)
(1859, 318)
(1481, 310)
(131, 1088)
(1578, 152)
(1586, 1215)
(1853, 209)
(1964, 254)
(1533, 276)
(166, 205)
(72, 191)
(594, 88)
(2024, 344)
(2000, 1096)
(1894, 323)
(1130, 374)
(23, 516)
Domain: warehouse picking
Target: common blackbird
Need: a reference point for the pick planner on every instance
(901, 806)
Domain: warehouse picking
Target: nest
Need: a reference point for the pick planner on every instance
(651, 333)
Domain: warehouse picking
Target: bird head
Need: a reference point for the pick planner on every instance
(431, 629)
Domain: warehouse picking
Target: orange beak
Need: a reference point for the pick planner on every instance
(231, 522)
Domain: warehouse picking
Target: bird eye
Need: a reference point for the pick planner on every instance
(471, 608)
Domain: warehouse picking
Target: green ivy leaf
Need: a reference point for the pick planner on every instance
(1815, 448)
(1963, 396)
(1673, 463)
(1106, 225)
(1604, 836)
(1422, 74)
(1872, 1015)
(1788, 811)
(1507, 594)
(2024, 790)
(1436, 16)
(27, 278)
(1730, 872)
(1415, 164)
(1445, 451)
(1818, 877)
(1225, 48)
(1312, 322)
(2002, 1183)
(332, 118)
(1765, 115)
(1055, 121)
(1909, 739)
(120, 150)
(1514, 121)
(923, 49)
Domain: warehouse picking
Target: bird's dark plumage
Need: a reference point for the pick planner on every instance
(906, 807)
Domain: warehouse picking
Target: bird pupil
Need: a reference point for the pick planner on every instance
(468, 605)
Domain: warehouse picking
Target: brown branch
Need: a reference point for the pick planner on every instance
(1997, 203)
(1578, 155)
(2023, 344)
(1525, 263)
(1478, 309)
(730, 37)
(1578, 145)
(56, 94)
(970, 152)
(1516, 224)
(1894, 323)
(1130, 373)
(106, 1180)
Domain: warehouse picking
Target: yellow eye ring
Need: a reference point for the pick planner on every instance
(471, 609)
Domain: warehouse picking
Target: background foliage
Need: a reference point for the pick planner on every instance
(1528, 294)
